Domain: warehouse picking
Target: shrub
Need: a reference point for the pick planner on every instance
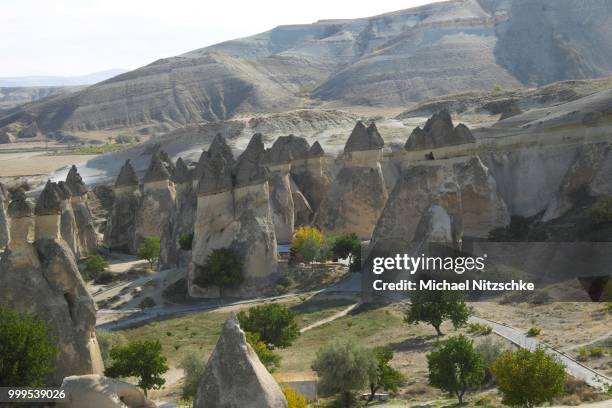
(95, 265)
(528, 378)
(106, 277)
(343, 368)
(274, 324)
(185, 242)
(540, 297)
(141, 359)
(146, 303)
(534, 331)
(601, 212)
(268, 358)
(479, 329)
(455, 366)
(222, 268)
(347, 246)
(150, 250)
(107, 340)
(193, 368)
(27, 349)
(294, 398)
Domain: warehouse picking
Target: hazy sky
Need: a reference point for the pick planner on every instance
(75, 37)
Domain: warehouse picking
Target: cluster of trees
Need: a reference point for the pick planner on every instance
(309, 245)
(344, 368)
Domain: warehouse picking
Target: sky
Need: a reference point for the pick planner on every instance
(78, 37)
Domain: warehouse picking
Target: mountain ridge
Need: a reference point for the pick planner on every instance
(393, 59)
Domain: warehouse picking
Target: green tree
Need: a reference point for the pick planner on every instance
(347, 246)
(344, 368)
(455, 365)
(384, 376)
(141, 359)
(94, 266)
(222, 268)
(307, 243)
(150, 250)
(490, 351)
(27, 349)
(193, 368)
(434, 307)
(274, 324)
(527, 378)
(268, 358)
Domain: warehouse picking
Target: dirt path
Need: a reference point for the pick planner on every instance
(330, 318)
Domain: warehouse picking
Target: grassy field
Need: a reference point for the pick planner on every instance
(96, 149)
(199, 332)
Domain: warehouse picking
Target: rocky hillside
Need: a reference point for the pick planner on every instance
(15, 96)
(387, 60)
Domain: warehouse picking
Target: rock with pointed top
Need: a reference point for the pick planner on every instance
(234, 377)
(19, 205)
(364, 138)
(286, 149)
(127, 176)
(316, 150)
(219, 146)
(182, 173)
(157, 202)
(48, 201)
(438, 132)
(86, 235)
(249, 169)
(75, 183)
(216, 174)
(68, 226)
(157, 171)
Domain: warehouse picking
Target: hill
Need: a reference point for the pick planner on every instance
(393, 59)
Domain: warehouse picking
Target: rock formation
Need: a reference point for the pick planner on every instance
(157, 202)
(234, 377)
(87, 236)
(438, 132)
(358, 193)
(4, 228)
(120, 229)
(311, 176)
(102, 392)
(68, 225)
(233, 211)
(181, 219)
(42, 278)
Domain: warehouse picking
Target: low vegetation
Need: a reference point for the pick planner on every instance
(94, 266)
(479, 329)
(601, 213)
(534, 332)
(27, 349)
(192, 365)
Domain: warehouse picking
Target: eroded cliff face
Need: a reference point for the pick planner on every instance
(42, 278)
